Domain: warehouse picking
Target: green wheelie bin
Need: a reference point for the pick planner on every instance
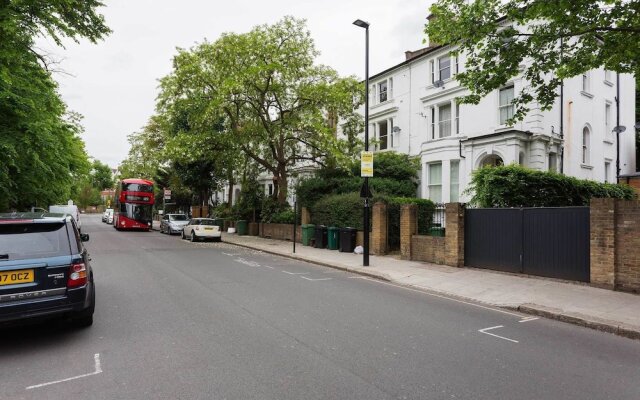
(333, 239)
(242, 227)
(307, 234)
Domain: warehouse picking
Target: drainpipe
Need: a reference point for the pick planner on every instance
(561, 114)
(562, 126)
(617, 126)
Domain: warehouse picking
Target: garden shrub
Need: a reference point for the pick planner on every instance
(395, 175)
(342, 210)
(516, 186)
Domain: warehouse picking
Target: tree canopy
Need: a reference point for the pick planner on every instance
(274, 103)
(43, 156)
(546, 41)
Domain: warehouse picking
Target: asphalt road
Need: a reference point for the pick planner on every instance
(180, 320)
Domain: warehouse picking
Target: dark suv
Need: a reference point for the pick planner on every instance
(44, 269)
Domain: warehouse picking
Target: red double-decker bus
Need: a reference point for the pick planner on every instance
(134, 204)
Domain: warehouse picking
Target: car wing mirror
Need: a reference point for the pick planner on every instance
(84, 237)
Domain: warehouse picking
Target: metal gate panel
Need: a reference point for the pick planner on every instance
(556, 242)
(493, 239)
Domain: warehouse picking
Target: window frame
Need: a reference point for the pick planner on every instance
(441, 121)
(431, 185)
(448, 67)
(454, 184)
(382, 92)
(586, 144)
(507, 106)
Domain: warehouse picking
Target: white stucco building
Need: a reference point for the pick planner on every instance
(413, 110)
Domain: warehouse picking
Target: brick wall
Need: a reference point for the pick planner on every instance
(633, 181)
(447, 250)
(408, 228)
(602, 238)
(615, 244)
(428, 248)
(628, 245)
(280, 232)
(379, 229)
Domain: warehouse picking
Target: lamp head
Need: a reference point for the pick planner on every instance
(361, 23)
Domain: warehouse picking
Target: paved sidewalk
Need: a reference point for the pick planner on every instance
(602, 309)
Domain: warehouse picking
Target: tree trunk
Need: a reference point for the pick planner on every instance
(230, 196)
(282, 180)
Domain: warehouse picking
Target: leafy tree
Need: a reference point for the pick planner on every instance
(277, 106)
(101, 176)
(546, 41)
(145, 154)
(43, 156)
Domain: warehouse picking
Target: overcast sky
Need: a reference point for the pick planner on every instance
(114, 83)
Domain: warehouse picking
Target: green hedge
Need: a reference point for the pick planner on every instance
(342, 210)
(395, 175)
(516, 186)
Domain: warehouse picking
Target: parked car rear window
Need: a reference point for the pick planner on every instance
(206, 222)
(23, 241)
(178, 217)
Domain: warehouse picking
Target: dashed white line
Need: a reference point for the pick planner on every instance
(229, 254)
(295, 273)
(494, 335)
(318, 279)
(98, 370)
(247, 262)
(527, 319)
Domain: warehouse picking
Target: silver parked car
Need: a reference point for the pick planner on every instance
(173, 223)
(202, 228)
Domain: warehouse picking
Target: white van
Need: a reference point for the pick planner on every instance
(68, 208)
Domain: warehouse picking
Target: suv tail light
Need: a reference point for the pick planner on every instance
(77, 275)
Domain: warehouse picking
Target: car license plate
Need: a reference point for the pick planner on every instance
(15, 277)
(208, 229)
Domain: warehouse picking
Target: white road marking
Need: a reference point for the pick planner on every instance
(229, 254)
(295, 273)
(318, 279)
(494, 335)
(357, 277)
(266, 266)
(442, 297)
(98, 370)
(246, 262)
(527, 319)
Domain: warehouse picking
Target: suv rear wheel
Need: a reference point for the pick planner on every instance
(84, 318)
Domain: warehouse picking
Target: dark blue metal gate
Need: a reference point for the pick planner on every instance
(551, 242)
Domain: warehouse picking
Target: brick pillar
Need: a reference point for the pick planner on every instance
(603, 242)
(408, 228)
(454, 235)
(379, 229)
(305, 216)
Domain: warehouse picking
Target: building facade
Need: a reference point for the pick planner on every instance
(413, 110)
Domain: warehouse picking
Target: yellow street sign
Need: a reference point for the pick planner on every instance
(366, 164)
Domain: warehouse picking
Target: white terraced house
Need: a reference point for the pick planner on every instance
(412, 109)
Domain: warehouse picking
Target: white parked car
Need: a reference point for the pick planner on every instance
(108, 216)
(202, 228)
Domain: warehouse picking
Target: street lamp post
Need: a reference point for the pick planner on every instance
(365, 253)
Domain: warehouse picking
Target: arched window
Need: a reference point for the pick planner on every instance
(492, 160)
(586, 133)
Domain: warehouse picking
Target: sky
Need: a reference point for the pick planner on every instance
(114, 83)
